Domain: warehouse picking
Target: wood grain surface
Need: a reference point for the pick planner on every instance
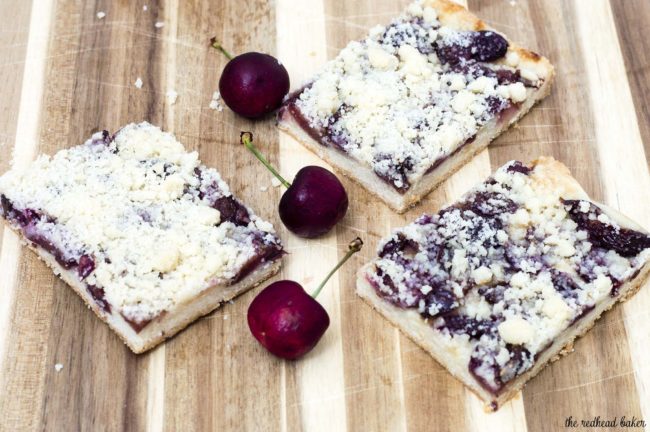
(65, 73)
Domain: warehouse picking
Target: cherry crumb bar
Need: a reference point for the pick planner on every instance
(500, 283)
(401, 110)
(145, 234)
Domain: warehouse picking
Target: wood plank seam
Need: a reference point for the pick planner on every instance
(627, 176)
(25, 147)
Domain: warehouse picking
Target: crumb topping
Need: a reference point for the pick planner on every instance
(146, 225)
(508, 268)
(412, 93)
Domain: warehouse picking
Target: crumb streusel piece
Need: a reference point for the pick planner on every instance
(496, 284)
(140, 229)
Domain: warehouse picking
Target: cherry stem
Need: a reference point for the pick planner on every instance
(246, 138)
(216, 45)
(353, 247)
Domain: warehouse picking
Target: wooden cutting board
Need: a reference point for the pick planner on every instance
(65, 73)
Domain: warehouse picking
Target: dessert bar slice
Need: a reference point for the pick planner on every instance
(145, 234)
(500, 283)
(403, 109)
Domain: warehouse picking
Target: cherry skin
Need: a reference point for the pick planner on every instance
(286, 320)
(253, 84)
(314, 203)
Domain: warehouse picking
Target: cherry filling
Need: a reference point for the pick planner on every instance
(328, 136)
(489, 204)
(604, 237)
(264, 252)
(439, 299)
(289, 107)
(100, 297)
(13, 214)
(505, 115)
(492, 294)
(496, 105)
(491, 375)
(520, 361)
(517, 166)
(503, 76)
(401, 247)
(520, 260)
(27, 220)
(485, 370)
(397, 173)
(334, 135)
(456, 323)
(441, 159)
(232, 211)
(479, 211)
(564, 284)
(33, 234)
(583, 312)
(85, 265)
(502, 108)
(625, 242)
(139, 325)
(483, 46)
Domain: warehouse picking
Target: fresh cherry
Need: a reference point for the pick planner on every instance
(313, 203)
(286, 320)
(252, 84)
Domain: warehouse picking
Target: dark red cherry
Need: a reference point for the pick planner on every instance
(286, 320)
(313, 203)
(252, 84)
